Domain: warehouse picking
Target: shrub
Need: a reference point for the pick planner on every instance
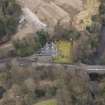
(67, 34)
(51, 91)
(24, 48)
(28, 46)
(40, 93)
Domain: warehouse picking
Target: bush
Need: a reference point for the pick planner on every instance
(40, 93)
(45, 92)
(67, 34)
(28, 46)
(24, 48)
(51, 91)
(102, 8)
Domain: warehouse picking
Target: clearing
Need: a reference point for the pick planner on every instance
(48, 102)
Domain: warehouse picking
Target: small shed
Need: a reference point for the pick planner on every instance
(49, 49)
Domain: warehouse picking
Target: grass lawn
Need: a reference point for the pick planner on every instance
(64, 52)
(48, 102)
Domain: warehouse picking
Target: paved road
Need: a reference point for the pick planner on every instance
(29, 61)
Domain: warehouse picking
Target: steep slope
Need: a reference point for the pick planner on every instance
(52, 11)
(83, 19)
(66, 12)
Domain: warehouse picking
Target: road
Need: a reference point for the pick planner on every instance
(29, 62)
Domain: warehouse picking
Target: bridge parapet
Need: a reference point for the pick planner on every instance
(96, 69)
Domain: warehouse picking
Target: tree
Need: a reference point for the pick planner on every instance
(10, 13)
(67, 34)
(73, 88)
(102, 8)
(86, 49)
(42, 38)
(71, 34)
(28, 46)
(89, 45)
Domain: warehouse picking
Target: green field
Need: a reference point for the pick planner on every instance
(64, 52)
(47, 102)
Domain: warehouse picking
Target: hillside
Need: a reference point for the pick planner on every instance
(54, 53)
(52, 11)
(65, 12)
